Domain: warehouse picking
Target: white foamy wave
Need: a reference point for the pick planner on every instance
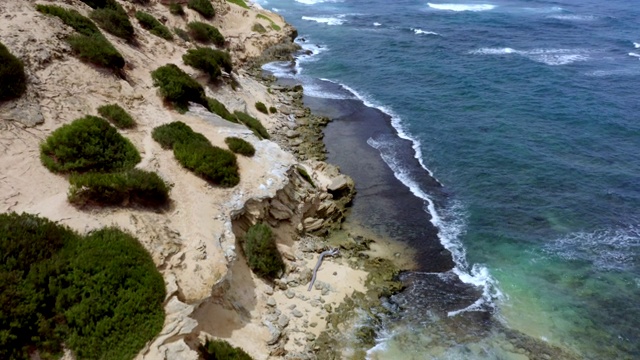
(313, 90)
(451, 225)
(462, 7)
(573, 17)
(423, 32)
(376, 24)
(281, 69)
(636, 45)
(551, 57)
(611, 249)
(325, 20)
(634, 54)
(615, 72)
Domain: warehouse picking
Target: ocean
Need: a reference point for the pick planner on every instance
(505, 131)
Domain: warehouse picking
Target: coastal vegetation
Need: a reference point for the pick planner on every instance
(220, 349)
(202, 59)
(259, 28)
(252, 123)
(273, 110)
(182, 34)
(205, 33)
(150, 23)
(218, 108)
(13, 81)
(305, 175)
(88, 144)
(203, 7)
(88, 44)
(261, 252)
(128, 187)
(99, 295)
(177, 87)
(117, 116)
(111, 17)
(240, 146)
(260, 106)
(176, 9)
(240, 3)
(194, 151)
(274, 26)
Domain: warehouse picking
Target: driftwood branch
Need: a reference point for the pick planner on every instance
(330, 252)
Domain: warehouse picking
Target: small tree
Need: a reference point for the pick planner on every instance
(205, 33)
(260, 106)
(203, 7)
(177, 87)
(240, 146)
(221, 350)
(262, 254)
(148, 22)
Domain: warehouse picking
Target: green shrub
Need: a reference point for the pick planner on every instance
(259, 28)
(168, 135)
(262, 254)
(89, 44)
(88, 144)
(117, 116)
(148, 22)
(305, 175)
(221, 350)
(176, 9)
(218, 108)
(212, 163)
(273, 110)
(13, 81)
(122, 188)
(240, 3)
(101, 295)
(71, 18)
(205, 33)
(252, 123)
(201, 59)
(204, 7)
(260, 106)
(177, 87)
(240, 146)
(96, 50)
(181, 34)
(274, 26)
(114, 20)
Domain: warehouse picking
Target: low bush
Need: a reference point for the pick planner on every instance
(114, 20)
(122, 188)
(117, 116)
(181, 34)
(176, 9)
(223, 58)
(71, 18)
(89, 44)
(261, 252)
(203, 7)
(259, 28)
(273, 110)
(218, 108)
(221, 350)
(252, 123)
(88, 144)
(177, 87)
(203, 59)
(148, 22)
(240, 3)
(97, 50)
(274, 26)
(260, 106)
(212, 163)
(168, 135)
(240, 146)
(101, 296)
(205, 33)
(13, 81)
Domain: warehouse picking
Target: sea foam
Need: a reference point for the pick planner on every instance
(636, 45)
(313, 2)
(423, 32)
(551, 57)
(573, 17)
(325, 20)
(462, 7)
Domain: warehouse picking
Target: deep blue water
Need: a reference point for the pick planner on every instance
(528, 113)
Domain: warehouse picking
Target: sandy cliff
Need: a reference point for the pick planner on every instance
(211, 291)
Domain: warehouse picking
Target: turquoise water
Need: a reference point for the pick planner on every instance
(528, 114)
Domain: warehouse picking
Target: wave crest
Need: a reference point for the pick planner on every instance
(462, 7)
(551, 57)
(325, 20)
